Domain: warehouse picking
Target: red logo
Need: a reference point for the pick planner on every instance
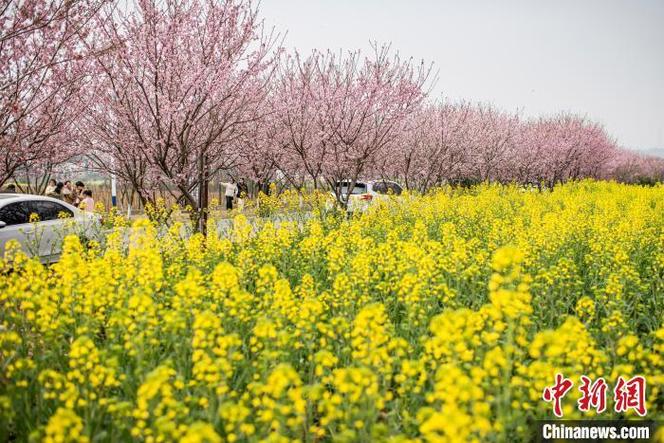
(593, 395)
(556, 393)
(627, 394)
(630, 394)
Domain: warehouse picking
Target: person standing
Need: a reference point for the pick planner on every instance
(231, 192)
(50, 187)
(69, 193)
(87, 202)
(78, 193)
(57, 191)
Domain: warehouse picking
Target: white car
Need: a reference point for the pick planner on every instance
(365, 192)
(55, 220)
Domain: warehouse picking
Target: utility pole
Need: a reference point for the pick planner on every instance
(114, 192)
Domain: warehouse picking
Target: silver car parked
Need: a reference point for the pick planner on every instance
(39, 224)
(365, 192)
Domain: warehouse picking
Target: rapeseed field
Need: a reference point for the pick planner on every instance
(440, 317)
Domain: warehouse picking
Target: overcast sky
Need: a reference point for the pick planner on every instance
(600, 58)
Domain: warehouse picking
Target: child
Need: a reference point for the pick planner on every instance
(87, 203)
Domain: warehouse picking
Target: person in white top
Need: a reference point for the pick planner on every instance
(51, 187)
(231, 192)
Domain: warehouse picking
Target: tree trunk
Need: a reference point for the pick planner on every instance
(203, 196)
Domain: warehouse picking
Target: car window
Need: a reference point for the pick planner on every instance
(15, 213)
(47, 210)
(380, 187)
(360, 188)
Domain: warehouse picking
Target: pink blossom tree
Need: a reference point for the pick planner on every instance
(261, 149)
(335, 116)
(634, 167)
(180, 83)
(44, 68)
(366, 104)
(371, 110)
(435, 150)
(572, 147)
(491, 138)
(301, 111)
(477, 142)
(169, 93)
